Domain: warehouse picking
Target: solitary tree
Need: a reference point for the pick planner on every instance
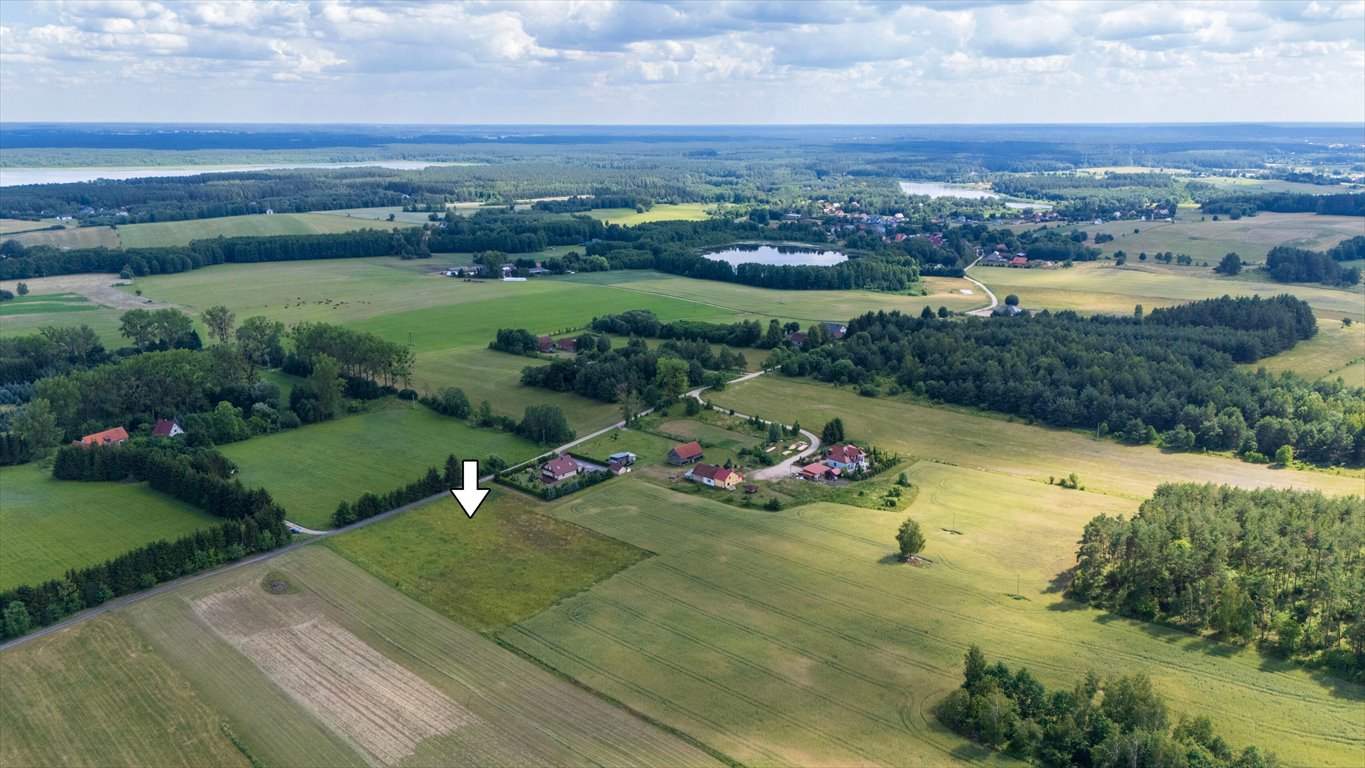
(22, 289)
(17, 620)
(219, 320)
(833, 431)
(1285, 455)
(1011, 300)
(910, 538)
(774, 432)
(1230, 265)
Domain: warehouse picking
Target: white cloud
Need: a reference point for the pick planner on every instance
(679, 60)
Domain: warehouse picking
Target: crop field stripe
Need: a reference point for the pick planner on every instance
(538, 639)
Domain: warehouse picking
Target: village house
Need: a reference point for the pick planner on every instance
(819, 472)
(715, 477)
(115, 436)
(625, 457)
(167, 428)
(847, 457)
(686, 453)
(797, 339)
(567, 345)
(837, 331)
(618, 467)
(1019, 262)
(559, 468)
(545, 344)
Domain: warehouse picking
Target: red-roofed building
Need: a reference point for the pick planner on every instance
(115, 436)
(1019, 261)
(819, 471)
(567, 345)
(558, 469)
(686, 453)
(846, 456)
(716, 477)
(167, 428)
(797, 339)
(545, 344)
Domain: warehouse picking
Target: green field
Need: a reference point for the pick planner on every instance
(1101, 287)
(338, 670)
(131, 706)
(795, 638)
(661, 212)
(1251, 236)
(47, 304)
(1337, 351)
(49, 526)
(170, 233)
(71, 237)
(504, 565)
(312, 469)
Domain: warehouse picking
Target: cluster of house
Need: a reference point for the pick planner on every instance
(509, 272)
(564, 466)
(838, 460)
(837, 331)
(119, 435)
(550, 344)
(706, 474)
(1001, 257)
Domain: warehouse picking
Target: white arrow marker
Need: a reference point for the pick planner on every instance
(470, 495)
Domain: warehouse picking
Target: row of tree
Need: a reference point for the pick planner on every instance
(361, 355)
(1248, 204)
(1288, 264)
(1283, 568)
(1171, 376)
(1118, 723)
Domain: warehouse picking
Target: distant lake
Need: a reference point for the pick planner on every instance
(934, 189)
(776, 255)
(12, 177)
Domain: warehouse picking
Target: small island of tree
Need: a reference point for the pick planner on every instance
(910, 539)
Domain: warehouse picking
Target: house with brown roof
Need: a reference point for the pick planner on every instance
(559, 468)
(797, 338)
(167, 428)
(715, 477)
(846, 456)
(545, 344)
(819, 472)
(618, 467)
(115, 436)
(569, 344)
(686, 453)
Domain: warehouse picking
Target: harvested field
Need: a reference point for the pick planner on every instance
(377, 705)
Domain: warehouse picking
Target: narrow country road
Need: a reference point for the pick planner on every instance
(983, 311)
(776, 471)
(319, 535)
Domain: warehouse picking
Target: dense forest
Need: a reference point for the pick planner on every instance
(1170, 377)
(1301, 265)
(1280, 567)
(1248, 204)
(1116, 723)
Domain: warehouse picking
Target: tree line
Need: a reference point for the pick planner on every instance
(1248, 204)
(1116, 723)
(252, 523)
(1281, 568)
(1288, 264)
(1170, 377)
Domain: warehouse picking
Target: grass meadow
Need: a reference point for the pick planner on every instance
(48, 527)
(1208, 240)
(1102, 288)
(70, 237)
(312, 469)
(504, 565)
(797, 638)
(662, 212)
(172, 233)
(1337, 351)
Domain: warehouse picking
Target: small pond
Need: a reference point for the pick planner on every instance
(776, 255)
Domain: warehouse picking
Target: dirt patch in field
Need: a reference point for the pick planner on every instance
(376, 704)
(99, 288)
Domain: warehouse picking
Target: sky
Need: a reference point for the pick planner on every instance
(675, 62)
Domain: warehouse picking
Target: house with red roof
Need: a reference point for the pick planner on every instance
(715, 477)
(167, 428)
(846, 456)
(115, 436)
(687, 453)
(559, 468)
(567, 344)
(818, 472)
(545, 344)
(1019, 261)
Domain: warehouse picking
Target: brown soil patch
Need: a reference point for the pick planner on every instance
(379, 706)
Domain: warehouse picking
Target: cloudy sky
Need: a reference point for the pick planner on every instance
(614, 61)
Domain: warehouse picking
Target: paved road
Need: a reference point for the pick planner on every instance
(313, 536)
(983, 311)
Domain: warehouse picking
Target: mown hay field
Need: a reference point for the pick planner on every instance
(1208, 240)
(796, 638)
(48, 527)
(173, 233)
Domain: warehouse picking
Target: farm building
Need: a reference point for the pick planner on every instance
(115, 436)
(1019, 261)
(167, 428)
(558, 468)
(797, 339)
(618, 467)
(686, 453)
(625, 457)
(567, 345)
(545, 344)
(819, 472)
(846, 456)
(836, 330)
(715, 477)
